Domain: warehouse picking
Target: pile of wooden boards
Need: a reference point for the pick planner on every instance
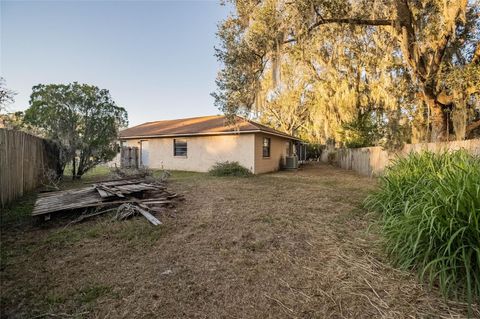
(142, 196)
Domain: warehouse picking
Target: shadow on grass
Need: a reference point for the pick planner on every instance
(18, 212)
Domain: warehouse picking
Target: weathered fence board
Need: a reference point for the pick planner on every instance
(24, 158)
(129, 157)
(371, 161)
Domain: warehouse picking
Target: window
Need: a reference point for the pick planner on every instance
(266, 147)
(179, 147)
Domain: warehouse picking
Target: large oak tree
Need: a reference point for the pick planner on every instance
(435, 41)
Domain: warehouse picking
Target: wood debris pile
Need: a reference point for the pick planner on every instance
(135, 196)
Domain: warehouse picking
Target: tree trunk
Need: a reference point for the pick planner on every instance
(459, 121)
(81, 166)
(438, 120)
(74, 171)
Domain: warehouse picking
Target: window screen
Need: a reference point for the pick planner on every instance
(180, 147)
(266, 147)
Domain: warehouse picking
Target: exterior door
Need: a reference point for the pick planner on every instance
(144, 154)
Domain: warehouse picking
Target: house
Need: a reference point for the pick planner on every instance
(196, 144)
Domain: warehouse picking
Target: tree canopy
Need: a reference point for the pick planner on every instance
(82, 118)
(6, 95)
(406, 69)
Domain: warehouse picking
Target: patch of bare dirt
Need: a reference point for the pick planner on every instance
(283, 245)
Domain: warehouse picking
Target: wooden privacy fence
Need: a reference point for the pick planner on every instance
(371, 161)
(24, 161)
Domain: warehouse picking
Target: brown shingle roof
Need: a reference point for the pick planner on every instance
(205, 125)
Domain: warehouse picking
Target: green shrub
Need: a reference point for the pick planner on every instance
(430, 206)
(229, 169)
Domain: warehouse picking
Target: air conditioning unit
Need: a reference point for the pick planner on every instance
(291, 162)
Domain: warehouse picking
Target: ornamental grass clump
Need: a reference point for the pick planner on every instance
(229, 169)
(430, 208)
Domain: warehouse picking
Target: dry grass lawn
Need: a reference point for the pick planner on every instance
(283, 245)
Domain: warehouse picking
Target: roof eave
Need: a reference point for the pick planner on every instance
(130, 137)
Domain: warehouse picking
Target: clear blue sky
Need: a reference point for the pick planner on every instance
(155, 57)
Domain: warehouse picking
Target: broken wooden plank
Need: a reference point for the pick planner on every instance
(122, 189)
(57, 208)
(124, 181)
(108, 193)
(149, 217)
(62, 200)
(102, 192)
(156, 202)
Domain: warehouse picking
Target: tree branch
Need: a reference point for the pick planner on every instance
(354, 21)
(470, 127)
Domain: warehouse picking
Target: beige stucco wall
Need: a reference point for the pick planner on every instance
(203, 152)
(278, 151)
